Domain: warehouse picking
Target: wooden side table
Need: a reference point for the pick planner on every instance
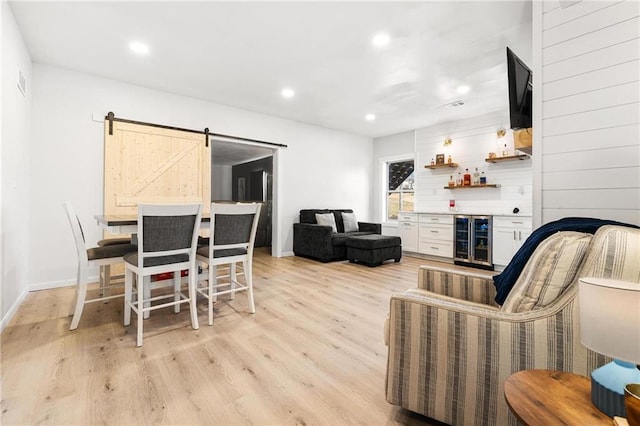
(547, 397)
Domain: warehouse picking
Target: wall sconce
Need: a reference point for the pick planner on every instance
(501, 133)
(447, 142)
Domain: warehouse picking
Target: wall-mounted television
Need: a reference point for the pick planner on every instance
(520, 80)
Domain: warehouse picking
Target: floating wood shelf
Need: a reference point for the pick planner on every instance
(489, 185)
(509, 158)
(441, 166)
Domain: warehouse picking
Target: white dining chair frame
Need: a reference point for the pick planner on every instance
(144, 302)
(82, 275)
(212, 290)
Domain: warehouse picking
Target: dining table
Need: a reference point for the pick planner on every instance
(128, 223)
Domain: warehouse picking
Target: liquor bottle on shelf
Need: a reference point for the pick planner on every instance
(452, 182)
(449, 160)
(476, 177)
(466, 178)
(483, 179)
(459, 180)
(433, 163)
(505, 151)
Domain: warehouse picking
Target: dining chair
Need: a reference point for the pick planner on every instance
(103, 257)
(232, 235)
(167, 242)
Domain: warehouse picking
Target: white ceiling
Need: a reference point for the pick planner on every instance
(244, 53)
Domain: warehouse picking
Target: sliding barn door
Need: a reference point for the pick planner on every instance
(146, 164)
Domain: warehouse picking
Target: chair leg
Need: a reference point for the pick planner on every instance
(75, 293)
(81, 294)
(213, 280)
(176, 290)
(233, 278)
(193, 282)
(140, 303)
(146, 292)
(247, 267)
(128, 293)
(106, 281)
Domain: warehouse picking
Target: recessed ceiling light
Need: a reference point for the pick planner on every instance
(381, 40)
(288, 93)
(463, 89)
(139, 48)
(370, 117)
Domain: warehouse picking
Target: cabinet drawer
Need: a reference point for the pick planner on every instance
(407, 217)
(436, 232)
(444, 219)
(436, 248)
(512, 222)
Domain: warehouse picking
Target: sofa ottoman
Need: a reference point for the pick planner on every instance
(373, 249)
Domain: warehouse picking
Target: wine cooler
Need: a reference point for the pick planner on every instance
(472, 241)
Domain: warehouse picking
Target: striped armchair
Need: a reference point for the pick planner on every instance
(451, 348)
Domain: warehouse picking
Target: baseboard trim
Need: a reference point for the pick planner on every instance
(287, 254)
(56, 284)
(12, 311)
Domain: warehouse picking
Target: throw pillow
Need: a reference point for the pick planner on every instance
(327, 219)
(350, 222)
(550, 270)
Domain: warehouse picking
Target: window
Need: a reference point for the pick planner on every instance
(400, 188)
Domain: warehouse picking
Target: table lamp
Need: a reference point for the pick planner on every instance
(610, 325)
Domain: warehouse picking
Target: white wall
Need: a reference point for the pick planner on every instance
(320, 168)
(15, 165)
(589, 128)
(472, 140)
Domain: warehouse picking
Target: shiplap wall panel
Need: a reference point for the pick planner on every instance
(590, 179)
(603, 212)
(473, 139)
(609, 76)
(592, 61)
(622, 198)
(620, 115)
(589, 41)
(607, 16)
(602, 98)
(626, 156)
(590, 144)
(561, 12)
(593, 140)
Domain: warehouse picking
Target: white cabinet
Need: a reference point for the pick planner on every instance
(408, 230)
(435, 235)
(509, 233)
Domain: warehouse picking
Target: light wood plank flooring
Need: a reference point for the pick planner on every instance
(312, 354)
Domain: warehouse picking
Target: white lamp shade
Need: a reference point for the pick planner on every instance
(610, 317)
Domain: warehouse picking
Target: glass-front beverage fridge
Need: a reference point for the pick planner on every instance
(472, 241)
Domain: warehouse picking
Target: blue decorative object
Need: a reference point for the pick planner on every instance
(607, 386)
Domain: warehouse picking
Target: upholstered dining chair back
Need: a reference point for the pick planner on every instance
(162, 233)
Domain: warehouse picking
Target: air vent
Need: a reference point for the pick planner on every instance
(453, 104)
(22, 83)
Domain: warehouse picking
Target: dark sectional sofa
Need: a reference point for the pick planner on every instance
(319, 242)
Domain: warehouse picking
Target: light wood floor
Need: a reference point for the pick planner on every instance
(313, 354)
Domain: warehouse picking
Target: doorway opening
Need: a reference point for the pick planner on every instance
(244, 172)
